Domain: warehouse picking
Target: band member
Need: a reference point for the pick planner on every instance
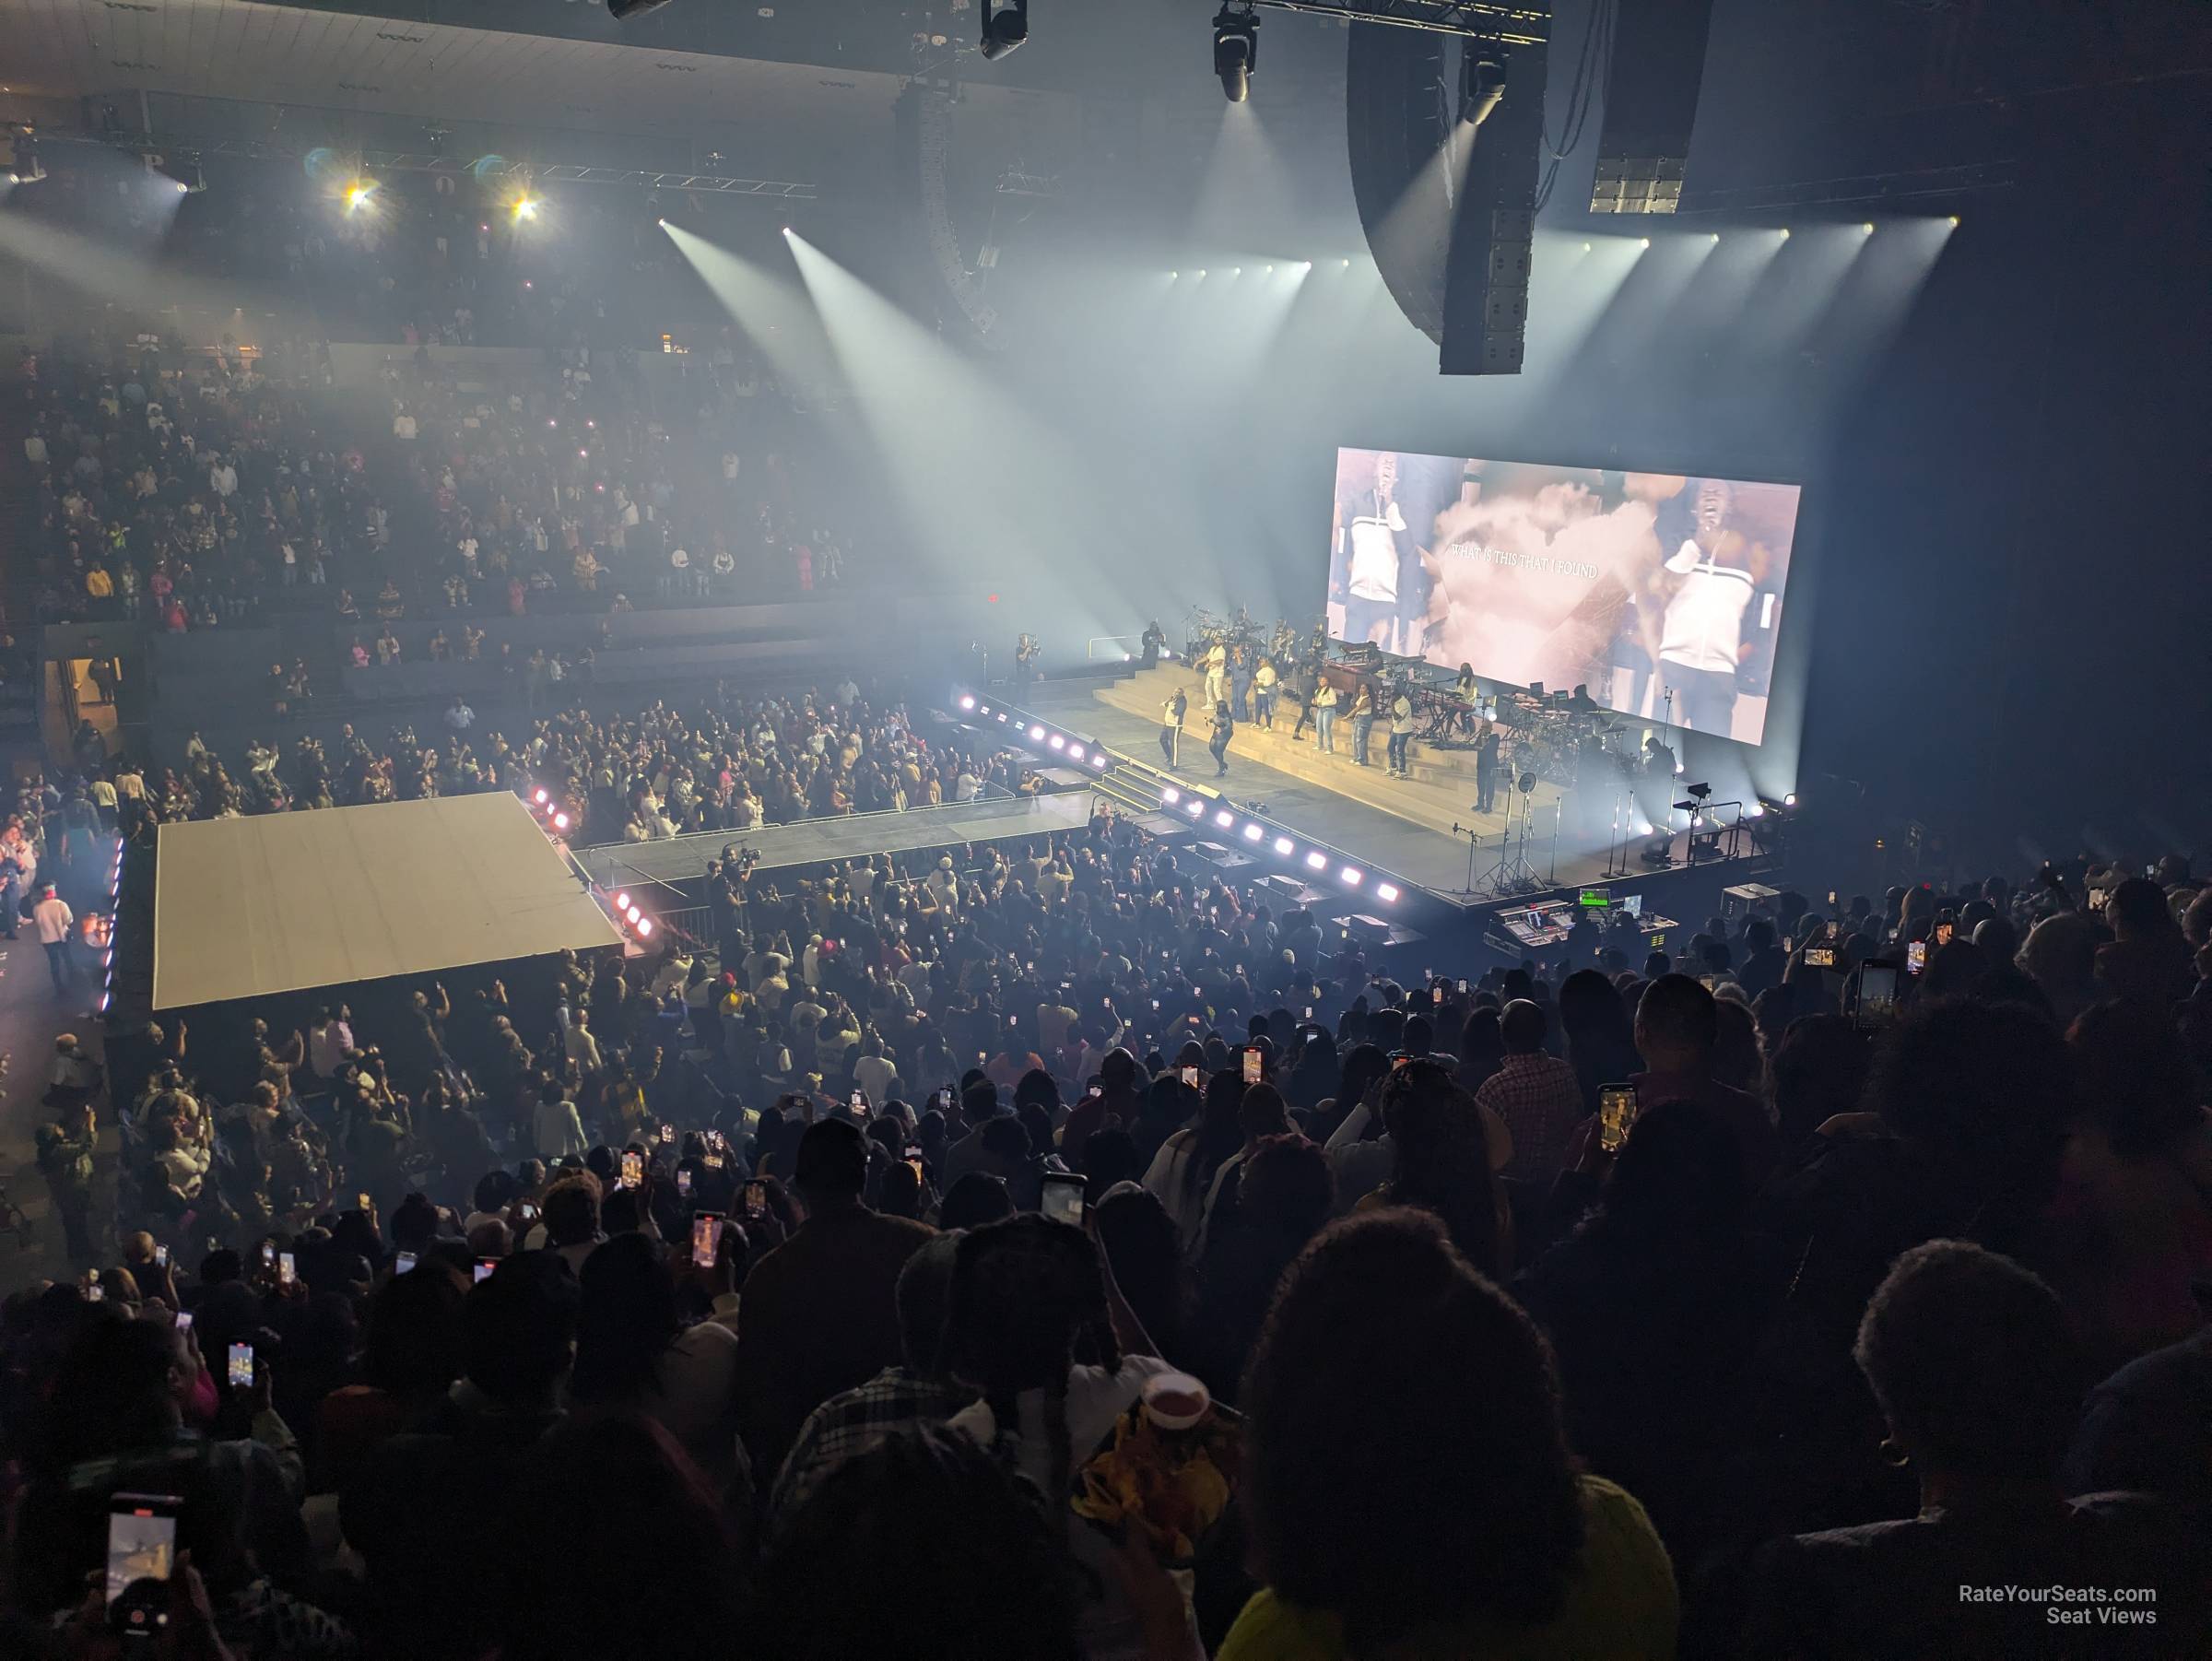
(1486, 767)
(1655, 789)
(1171, 718)
(1322, 706)
(1363, 721)
(1299, 680)
(1025, 668)
(1155, 641)
(1401, 731)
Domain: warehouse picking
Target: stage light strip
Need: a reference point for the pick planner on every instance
(1045, 741)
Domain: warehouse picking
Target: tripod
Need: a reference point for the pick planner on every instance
(1513, 875)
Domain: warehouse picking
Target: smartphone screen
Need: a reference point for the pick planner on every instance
(241, 1367)
(706, 1233)
(288, 1268)
(1190, 1076)
(683, 1183)
(95, 1292)
(1308, 1011)
(483, 1270)
(403, 1263)
(142, 1553)
(1820, 956)
(1062, 1200)
(1616, 1112)
(1462, 986)
(1944, 931)
(1252, 1062)
(161, 1257)
(756, 1199)
(633, 1169)
(1878, 993)
(1916, 956)
(183, 1320)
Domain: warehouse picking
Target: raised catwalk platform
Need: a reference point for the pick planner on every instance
(1400, 825)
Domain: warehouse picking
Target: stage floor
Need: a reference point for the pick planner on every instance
(1399, 826)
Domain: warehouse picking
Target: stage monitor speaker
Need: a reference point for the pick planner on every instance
(1651, 105)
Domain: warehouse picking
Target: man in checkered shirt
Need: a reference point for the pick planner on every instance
(896, 1399)
(1535, 1094)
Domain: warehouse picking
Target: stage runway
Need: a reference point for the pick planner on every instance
(1402, 827)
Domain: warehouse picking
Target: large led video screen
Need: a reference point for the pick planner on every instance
(1658, 594)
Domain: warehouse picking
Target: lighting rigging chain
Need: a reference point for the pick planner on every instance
(1596, 47)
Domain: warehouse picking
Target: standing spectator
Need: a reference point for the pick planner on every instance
(65, 1154)
(915, 1391)
(1535, 1094)
(793, 1354)
(54, 919)
(1677, 1029)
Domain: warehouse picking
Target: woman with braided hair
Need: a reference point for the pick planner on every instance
(1038, 1329)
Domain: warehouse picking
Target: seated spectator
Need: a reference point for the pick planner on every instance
(2149, 1428)
(1969, 1357)
(1454, 1524)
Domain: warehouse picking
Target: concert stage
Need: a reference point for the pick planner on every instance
(1404, 826)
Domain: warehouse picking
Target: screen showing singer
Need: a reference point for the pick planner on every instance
(1659, 596)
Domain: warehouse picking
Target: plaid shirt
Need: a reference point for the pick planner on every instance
(852, 1423)
(1541, 1103)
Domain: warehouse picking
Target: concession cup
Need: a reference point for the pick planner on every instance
(1176, 1401)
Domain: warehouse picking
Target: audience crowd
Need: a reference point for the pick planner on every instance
(733, 764)
(1018, 1252)
(772, 1294)
(192, 489)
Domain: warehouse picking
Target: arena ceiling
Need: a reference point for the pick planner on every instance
(250, 53)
